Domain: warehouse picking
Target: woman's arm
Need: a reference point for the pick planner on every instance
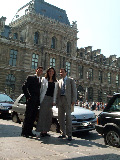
(55, 92)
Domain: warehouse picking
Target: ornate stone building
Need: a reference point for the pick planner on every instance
(41, 34)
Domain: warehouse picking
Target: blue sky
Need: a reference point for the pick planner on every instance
(98, 21)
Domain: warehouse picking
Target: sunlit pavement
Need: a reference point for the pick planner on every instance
(15, 147)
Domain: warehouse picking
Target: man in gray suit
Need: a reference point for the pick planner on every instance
(67, 95)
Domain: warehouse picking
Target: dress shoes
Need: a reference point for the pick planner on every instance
(69, 138)
(25, 135)
(44, 135)
(28, 135)
(62, 136)
(32, 135)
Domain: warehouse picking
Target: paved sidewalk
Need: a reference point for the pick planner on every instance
(15, 147)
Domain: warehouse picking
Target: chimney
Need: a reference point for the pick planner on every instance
(2, 24)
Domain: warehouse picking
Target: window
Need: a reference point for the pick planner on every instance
(68, 47)
(90, 94)
(15, 36)
(100, 95)
(91, 56)
(117, 80)
(21, 39)
(23, 100)
(63, 62)
(115, 106)
(81, 54)
(52, 62)
(53, 43)
(80, 72)
(10, 84)
(36, 38)
(100, 76)
(45, 58)
(68, 68)
(13, 57)
(90, 74)
(34, 61)
(109, 78)
(80, 93)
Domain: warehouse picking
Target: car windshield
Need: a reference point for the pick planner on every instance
(114, 105)
(5, 98)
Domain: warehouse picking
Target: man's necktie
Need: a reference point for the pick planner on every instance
(63, 88)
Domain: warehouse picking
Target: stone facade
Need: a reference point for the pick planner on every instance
(36, 40)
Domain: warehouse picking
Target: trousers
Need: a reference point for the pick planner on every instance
(65, 121)
(30, 114)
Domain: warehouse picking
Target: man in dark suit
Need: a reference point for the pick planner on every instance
(31, 90)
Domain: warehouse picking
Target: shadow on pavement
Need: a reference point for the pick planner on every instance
(9, 130)
(98, 157)
(87, 136)
(75, 142)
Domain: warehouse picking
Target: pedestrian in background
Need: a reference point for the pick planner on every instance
(31, 90)
(48, 93)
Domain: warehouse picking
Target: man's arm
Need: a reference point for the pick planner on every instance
(73, 92)
(25, 88)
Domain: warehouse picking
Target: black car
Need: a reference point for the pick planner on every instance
(5, 104)
(108, 122)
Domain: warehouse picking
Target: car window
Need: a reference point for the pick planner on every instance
(22, 100)
(5, 98)
(115, 106)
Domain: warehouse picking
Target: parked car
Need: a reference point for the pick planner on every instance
(5, 104)
(108, 122)
(82, 119)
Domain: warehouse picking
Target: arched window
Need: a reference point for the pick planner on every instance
(53, 42)
(68, 47)
(10, 84)
(36, 38)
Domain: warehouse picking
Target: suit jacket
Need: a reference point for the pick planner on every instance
(43, 90)
(70, 90)
(31, 86)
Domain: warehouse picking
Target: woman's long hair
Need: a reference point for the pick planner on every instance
(54, 75)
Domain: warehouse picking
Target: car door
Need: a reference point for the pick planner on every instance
(21, 107)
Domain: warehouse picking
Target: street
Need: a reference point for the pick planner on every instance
(83, 146)
(90, 136)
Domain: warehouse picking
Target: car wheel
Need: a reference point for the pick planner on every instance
(112, 138)
(15, 118)
(55, 126)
